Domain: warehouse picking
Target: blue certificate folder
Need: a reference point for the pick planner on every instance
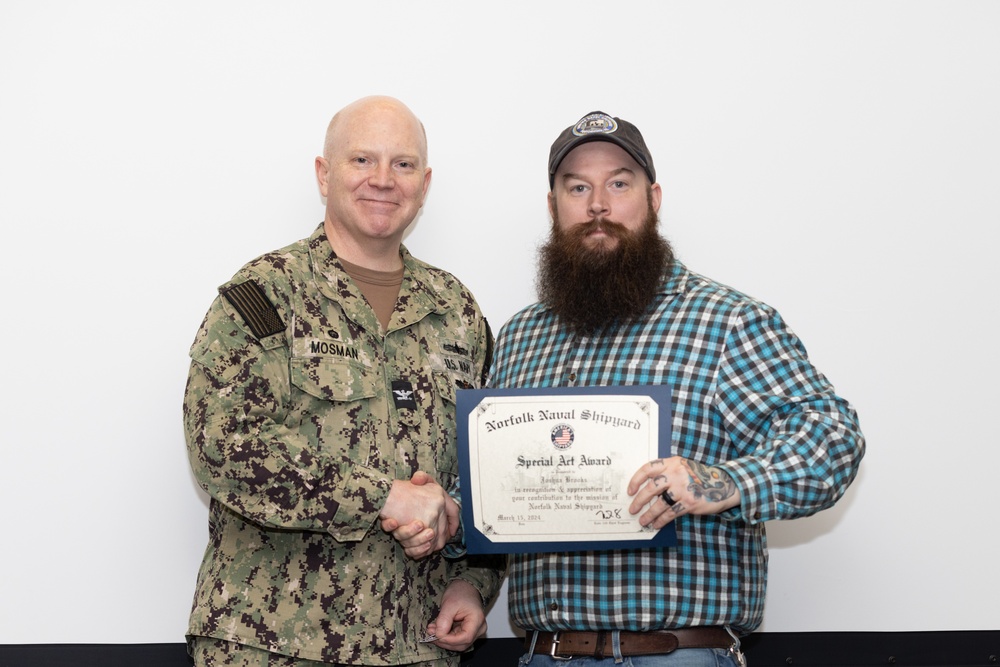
(478, 542)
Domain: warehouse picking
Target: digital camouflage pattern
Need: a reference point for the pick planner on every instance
(296, 437)
(208, 652)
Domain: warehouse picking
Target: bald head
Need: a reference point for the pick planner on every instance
(374, 176)
(338, 131)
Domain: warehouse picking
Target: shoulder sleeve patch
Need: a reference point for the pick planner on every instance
(254, 307)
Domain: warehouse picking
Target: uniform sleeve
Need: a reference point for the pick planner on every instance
(485, 573)
(243, 453)
(799, 443)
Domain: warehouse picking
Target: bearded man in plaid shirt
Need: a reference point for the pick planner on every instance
(758, 433)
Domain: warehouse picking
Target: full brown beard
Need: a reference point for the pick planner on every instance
(590, 288)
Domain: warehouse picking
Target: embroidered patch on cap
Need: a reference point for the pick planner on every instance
(254, 307)
(595, 123)
(402, 395)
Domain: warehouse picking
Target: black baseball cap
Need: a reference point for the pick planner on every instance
(599, 126)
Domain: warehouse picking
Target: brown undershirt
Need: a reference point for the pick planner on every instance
(380, 288)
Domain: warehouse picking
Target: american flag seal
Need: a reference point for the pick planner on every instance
(562, 436)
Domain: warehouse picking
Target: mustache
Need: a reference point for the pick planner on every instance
(610, 227)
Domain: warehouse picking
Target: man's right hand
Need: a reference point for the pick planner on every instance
(420, 515)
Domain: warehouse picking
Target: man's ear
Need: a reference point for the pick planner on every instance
(427, 181)
(322, 173)
(656, 194)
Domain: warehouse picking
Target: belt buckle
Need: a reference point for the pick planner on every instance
(552, 649)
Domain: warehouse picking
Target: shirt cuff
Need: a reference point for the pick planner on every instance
(360, 505)
(751, 480)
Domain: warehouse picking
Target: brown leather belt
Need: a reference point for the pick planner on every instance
(570, 644)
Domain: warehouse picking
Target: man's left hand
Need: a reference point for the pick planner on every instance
(462, 619)
(676, 486)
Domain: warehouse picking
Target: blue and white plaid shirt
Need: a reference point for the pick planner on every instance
(745, 398)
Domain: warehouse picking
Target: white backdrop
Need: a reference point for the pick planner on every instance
(838, 160)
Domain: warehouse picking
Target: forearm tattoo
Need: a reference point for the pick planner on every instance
(709, 483)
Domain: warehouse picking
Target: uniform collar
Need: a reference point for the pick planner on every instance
(417, 296)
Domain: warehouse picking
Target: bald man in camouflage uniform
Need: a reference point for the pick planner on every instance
(321, 399)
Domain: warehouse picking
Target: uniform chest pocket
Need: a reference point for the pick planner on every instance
(445, 428)
(334, 407)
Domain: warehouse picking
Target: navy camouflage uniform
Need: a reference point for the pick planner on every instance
(299, 413)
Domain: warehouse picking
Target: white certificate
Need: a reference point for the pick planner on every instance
(548, 469)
